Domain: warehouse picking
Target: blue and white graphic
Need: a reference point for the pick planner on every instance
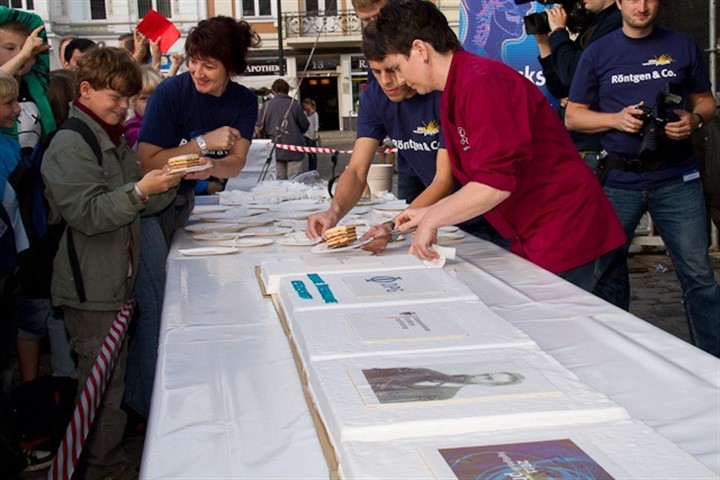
(494, 29)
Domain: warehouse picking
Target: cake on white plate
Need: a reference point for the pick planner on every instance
(271, 271)
(623, 449)
(328, 291)
(393, 330)
(429, 394)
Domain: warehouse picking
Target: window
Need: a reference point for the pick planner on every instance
(163, 7)
(97, 10)
(26, 5)
(256, 8)
(326, 7)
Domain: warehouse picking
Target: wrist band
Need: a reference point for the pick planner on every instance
(143, 198)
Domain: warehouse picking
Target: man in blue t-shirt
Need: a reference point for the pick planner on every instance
(623, 76)
(412, 121)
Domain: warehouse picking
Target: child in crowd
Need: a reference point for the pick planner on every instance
(101, 201)
(9, 218)
(151, 79)
(12, 239)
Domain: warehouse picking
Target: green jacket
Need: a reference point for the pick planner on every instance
(103, 210)
(37, 78)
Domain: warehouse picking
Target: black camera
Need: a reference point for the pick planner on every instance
(654, 118)
(578, 17)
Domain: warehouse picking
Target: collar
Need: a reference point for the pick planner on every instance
(114, 131)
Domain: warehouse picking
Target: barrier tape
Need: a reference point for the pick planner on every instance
(298, 148)
(69, 451)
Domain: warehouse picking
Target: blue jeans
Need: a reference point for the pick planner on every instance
(150, 291)
(678, 212)
(409, 187)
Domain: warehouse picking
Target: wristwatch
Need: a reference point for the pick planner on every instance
(204, 150)
(702, 120)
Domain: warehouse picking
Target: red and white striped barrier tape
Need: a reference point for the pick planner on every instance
(69, 451)
(298, 148)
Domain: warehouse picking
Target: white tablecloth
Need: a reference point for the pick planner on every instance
(228, 402)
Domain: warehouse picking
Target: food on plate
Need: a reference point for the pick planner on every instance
(183, 162)
(340, 236)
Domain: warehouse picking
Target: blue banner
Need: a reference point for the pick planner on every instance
(495, 29)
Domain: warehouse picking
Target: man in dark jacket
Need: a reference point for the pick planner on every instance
(284, 121)
(559, 56)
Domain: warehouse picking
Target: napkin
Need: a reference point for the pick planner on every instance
(445, 253)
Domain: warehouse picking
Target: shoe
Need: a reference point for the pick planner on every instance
(37, 459)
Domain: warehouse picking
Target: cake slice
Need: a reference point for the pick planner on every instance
(340, 236)
(183, 162)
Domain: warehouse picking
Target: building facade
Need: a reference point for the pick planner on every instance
(312, 43)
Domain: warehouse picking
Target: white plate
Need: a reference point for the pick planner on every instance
(257, 220)
(219, 236)
(449, 229)
(323, 247)
(396, 206)
(199, 168)
(202, 209)
(447, 236)
(191, 252)
(246, 242)
(294, 215)
(213, 227)
(296, 240)
(234, 214)
(269, 231)
(298, 205)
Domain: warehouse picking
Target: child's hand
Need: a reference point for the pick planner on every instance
(34, 44)
(177, 58)
(158, 181)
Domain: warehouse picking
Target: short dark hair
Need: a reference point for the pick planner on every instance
(16, 26)
(224, 39)
(82, 44)
(280, 86)
(401, 22)
(109, 67)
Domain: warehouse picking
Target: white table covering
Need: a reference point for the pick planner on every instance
(228, 402)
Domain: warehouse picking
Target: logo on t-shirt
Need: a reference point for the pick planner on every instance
(464, 140)
(428, 129)
(663, 59)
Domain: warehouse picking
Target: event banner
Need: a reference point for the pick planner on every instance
(494, 29)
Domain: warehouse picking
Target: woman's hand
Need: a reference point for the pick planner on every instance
(223, 138)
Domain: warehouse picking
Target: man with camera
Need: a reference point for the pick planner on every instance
(559, 53)
(644, 79)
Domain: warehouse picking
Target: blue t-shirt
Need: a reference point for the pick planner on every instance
(176, 113)
(413, 126)
(616, 71)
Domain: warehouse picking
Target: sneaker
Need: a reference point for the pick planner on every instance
(37, 459)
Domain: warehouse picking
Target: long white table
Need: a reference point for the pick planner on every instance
(228, 402)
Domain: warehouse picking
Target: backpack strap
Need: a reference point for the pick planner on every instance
(77, 125)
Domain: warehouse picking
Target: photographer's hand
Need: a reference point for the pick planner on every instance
(626, 120)
(557, 17)
(684, 127)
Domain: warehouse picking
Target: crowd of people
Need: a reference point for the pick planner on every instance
(97, 135)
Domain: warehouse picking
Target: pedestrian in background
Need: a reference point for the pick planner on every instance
(284, 120)
(311, 136)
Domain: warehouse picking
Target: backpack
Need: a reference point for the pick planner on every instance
(35, 263)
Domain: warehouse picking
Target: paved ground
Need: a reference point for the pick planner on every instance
(656, 295)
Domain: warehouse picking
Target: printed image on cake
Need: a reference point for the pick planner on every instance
(184, 162)
(340, 236)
